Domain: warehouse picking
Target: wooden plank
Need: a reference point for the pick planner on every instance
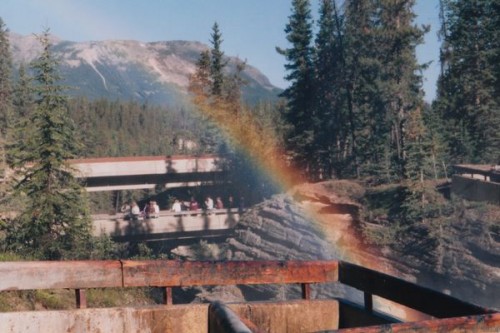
(419, 298)
(479, 323)
(59, 274)
(192, 273)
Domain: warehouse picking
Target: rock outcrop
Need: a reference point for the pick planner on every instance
(322, 221)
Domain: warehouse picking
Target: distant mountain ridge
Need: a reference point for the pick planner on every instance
(153, 72)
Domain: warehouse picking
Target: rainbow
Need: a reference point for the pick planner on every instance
(262, 147)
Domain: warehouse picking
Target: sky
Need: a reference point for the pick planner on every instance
(251, 29)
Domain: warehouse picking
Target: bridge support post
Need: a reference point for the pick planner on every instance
(306, 290)
(81, 299)
(167, 296)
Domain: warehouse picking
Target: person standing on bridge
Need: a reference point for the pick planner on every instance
(156, 210)
(135, 211)
(209, 203)
(193, 204)
(176, 206)
(218, 203)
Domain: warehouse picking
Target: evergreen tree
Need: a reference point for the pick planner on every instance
(417, 167)
(332, 133)
(5, 80)
(401, 88)
(23, 106)
(468, 98)
(23, 101)
(299, 115)
(385, 86)
(55, 221)
(200, 83)
(368, 127)
(217, 62)
(5, 92)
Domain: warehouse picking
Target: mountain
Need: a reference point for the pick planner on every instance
(156, 72)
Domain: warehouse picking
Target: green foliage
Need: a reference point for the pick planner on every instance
(5, 96)
(468, 89)
(332, 123)
(217, 62)
(49, 300)
(55, 222)
(351, 95)
(5, 80)
(299, 114)
(129, 129)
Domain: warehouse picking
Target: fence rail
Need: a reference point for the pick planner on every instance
(81, 275)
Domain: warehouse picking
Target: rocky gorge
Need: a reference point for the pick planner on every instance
(327, 221)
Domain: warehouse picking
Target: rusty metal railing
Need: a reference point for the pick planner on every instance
(81, 275)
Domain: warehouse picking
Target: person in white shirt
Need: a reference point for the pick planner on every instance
(135, 211)
(176, 206)
(209, 203)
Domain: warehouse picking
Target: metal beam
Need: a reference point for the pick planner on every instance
(193, 273)
(406, 293)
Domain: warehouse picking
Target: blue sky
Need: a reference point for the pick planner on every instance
(251, 28)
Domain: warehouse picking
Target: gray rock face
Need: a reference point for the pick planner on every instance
(278, 230)
(321, 223)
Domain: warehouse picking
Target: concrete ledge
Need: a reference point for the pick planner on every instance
(475, 189)
(190, 318)
(291, 316)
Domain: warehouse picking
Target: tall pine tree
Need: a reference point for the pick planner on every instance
(331, 140)
(5, 93)
(368, 126)
(217, 62)
(300, 115)
(401, 88)
(468, 88)
(55, 222)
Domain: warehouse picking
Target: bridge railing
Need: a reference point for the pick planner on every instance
(81, 275)
(168, 213)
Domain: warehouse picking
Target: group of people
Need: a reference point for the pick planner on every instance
(209, 204)
(152, 209)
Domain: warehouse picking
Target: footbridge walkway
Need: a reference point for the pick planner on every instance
(146, 172)
(168, 225)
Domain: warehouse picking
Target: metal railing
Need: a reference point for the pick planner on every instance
(81, 275)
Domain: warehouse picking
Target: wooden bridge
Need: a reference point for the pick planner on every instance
(439, 312)
(168, 225)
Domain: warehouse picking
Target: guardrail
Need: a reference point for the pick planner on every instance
(81, 275)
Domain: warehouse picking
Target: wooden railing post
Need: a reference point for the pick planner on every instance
(167, 296)
(306, 290)
(81, 299)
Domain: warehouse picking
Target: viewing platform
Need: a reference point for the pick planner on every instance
(477, 182)
(435, 312)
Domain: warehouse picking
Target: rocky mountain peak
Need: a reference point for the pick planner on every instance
(156, 72)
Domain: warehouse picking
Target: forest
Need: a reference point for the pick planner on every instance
(353, 109)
